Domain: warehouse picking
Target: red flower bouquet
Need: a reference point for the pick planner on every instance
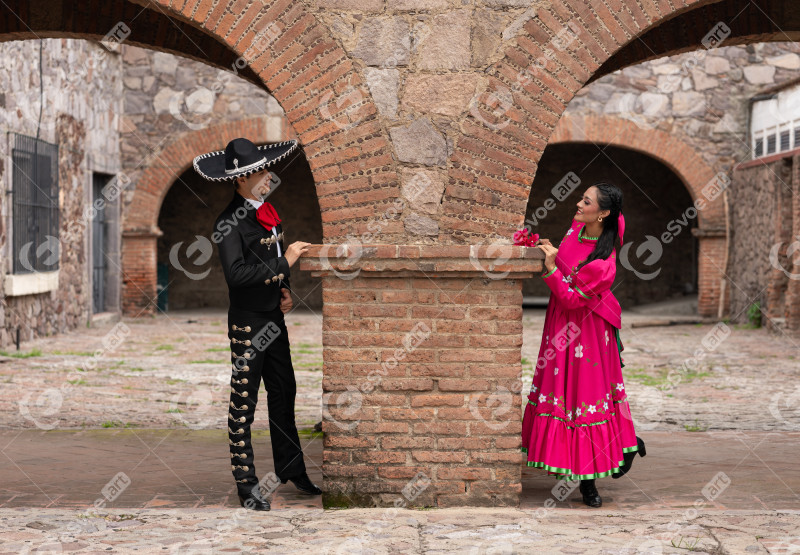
(522, 238)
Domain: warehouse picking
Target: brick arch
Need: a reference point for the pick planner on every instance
(557, 51)
(163, 169)
(690, 168)
(681, 158)
(140, 229)
(748, 23)
(291, 54)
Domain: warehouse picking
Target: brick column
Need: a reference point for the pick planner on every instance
(139, 271)
(711, 257)
(421, 373)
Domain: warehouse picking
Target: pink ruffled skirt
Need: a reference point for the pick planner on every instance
(577, 422)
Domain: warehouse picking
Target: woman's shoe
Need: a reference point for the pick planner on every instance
(629, 456)
(590, 494)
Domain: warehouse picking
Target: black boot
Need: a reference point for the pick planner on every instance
(254, 500)
(629, 456)
(304, 484)
(590, 495)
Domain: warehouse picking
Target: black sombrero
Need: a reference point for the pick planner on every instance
(241, 158)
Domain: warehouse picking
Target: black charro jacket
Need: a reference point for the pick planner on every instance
(253, 270)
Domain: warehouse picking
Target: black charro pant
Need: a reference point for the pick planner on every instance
(260, 349)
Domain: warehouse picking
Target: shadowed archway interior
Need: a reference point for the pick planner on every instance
(653, 197)
(187, 216)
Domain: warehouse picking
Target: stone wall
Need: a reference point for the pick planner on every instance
(755, 231)
(82, 99)
(764, 220)
(700, 97)
(167, 96)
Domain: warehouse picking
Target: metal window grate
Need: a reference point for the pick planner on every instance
(786, 140)
(35, 205)
(771, 142)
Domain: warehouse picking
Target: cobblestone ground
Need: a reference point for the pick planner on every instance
(361, 531)
(171, 372)
(678, 378)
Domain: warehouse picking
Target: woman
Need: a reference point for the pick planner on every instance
(577, 421)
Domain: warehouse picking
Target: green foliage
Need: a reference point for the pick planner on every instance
(29, 354)
(754, 314)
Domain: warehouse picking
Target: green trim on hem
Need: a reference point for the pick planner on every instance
(550, 273)
(624, 449)
(567, 473)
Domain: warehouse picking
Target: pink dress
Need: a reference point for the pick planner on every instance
(577, 421)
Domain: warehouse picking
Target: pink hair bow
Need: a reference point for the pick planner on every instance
(620, 226)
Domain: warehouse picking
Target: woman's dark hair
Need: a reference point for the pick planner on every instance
(609, 197)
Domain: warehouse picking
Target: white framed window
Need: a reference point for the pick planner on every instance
(775, 123)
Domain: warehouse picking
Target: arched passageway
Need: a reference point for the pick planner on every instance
(188, 261)
(655, 203)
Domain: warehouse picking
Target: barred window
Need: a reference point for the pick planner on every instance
(786, 140)
(759, 147)
(35, 210)
(771, 142)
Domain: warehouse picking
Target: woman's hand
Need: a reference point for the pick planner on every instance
(295, 250)
(550, 253)
(542, 242)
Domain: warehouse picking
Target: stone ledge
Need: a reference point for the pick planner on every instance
(30, 284)
(142, 232)
(495, 261)
(701, 232)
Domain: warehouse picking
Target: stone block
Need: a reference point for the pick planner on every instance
(419, 143)
(384, 41)
(383, 85)
(446, 94)
(446, 44)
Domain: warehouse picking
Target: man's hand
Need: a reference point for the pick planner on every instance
(295, 251)
(286, 300)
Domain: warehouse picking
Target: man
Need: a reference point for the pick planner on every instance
(256, 269)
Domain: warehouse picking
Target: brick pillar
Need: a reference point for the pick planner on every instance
(711, 257)
(139, 272)
(421, 374)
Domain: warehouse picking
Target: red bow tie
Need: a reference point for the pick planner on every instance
(267, 216)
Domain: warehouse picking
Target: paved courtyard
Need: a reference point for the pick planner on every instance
(147, 399)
